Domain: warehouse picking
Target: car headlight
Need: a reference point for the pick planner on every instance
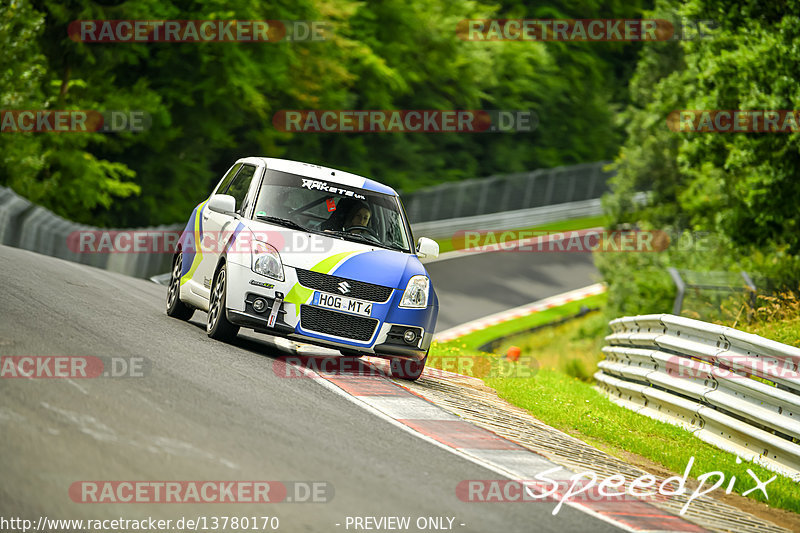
(416, 293)
(267, 261)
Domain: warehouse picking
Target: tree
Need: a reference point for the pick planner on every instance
(740, 187)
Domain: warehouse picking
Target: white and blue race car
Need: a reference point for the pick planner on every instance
(310, 253)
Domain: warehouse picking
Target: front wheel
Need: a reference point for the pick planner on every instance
(175, 307)
(407, 368)
(217, 326)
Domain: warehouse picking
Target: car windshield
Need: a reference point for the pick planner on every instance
(340, 211)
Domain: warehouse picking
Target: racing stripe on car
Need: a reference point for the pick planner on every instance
(196, 254)
(298, 294)
(368, 384)
(239, 228)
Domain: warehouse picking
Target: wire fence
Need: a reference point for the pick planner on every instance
(509, 192)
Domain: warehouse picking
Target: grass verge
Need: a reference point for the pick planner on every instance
(561, 394)
(520, 325)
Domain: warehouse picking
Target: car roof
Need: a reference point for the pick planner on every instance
(321, 173)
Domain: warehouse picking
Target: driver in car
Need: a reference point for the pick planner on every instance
(358, 217)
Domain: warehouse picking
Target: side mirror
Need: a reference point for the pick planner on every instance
(427, 248)
(222, 203)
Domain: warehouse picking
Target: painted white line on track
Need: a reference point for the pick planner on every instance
(388, 400)
(519, 312)
(426, 420)
(464, 453)
(407, 408)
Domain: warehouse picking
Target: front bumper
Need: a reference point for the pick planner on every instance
(244, 286)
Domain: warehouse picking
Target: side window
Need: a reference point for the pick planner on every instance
(393, 232)
(240, 185)
(227, 179)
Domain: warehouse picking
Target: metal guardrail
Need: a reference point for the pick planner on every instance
(522, 218)
(735, 390)
(25, 225)
(510, 220)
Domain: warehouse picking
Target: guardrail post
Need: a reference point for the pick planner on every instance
(459, 202)
(593, 180)
(530, 188)
(551, 179)
(752, 286)
(573, 178)
(484, 193)
(676, 277)
(437, 202)
(504, 203)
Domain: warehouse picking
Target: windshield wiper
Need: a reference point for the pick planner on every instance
(282, 222)
(356, 236)
(366, 240)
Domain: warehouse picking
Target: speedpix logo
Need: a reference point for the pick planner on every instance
(323, 186)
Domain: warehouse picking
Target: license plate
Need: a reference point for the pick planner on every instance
(341, 303)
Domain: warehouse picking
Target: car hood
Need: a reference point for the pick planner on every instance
(346, 259)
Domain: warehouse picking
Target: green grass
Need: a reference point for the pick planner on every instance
(785, 331)
(555, 387)
(575, 407)
(478, 338)
(446, 245)
(573, 348)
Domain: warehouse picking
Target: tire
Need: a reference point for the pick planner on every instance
(175, 307)
(217, 325)
(407, 369)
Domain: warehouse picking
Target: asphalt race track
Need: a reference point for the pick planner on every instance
(473, 285)
(210, 411)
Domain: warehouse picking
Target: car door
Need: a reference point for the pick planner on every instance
(218, 227)
(195, 281)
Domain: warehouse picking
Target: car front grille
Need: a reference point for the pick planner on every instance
(338, 324)
(356, 289)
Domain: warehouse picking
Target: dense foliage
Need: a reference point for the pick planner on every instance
(213, 102)
(739, 189)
